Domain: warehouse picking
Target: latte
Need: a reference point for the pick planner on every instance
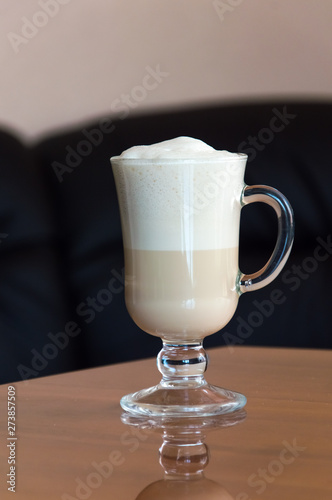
(180, 212)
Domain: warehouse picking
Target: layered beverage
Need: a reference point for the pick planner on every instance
(180, 210)
(180, 204)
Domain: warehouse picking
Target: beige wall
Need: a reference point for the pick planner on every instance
(88, 58)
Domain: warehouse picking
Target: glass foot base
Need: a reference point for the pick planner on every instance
(183, 400)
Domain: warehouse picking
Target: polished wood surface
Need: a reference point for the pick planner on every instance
(72, 444)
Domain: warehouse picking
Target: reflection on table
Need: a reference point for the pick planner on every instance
(184, 455)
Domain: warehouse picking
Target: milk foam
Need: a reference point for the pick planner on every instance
(179, 194)
(182, 148)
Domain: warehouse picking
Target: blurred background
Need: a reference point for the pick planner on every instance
(77, 57)
(80, 82)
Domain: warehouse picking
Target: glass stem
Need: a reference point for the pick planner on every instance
(182, 363)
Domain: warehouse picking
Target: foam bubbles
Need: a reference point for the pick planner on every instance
(179, 194)
(181, 148)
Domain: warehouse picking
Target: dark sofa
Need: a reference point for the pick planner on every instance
(61, 264)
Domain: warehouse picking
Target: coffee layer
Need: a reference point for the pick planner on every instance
(181, 296)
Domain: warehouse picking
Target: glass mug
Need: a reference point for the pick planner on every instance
(180, 225)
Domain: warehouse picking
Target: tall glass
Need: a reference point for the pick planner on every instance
(180, 224)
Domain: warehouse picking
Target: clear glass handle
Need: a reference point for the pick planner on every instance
(283, 209)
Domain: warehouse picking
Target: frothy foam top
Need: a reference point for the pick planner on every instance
(182, 148)
(179, 194)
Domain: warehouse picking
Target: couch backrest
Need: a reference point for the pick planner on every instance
(62, 262)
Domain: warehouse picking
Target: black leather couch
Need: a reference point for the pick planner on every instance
(61, 264)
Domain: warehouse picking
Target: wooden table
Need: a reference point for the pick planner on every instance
(72, 444)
